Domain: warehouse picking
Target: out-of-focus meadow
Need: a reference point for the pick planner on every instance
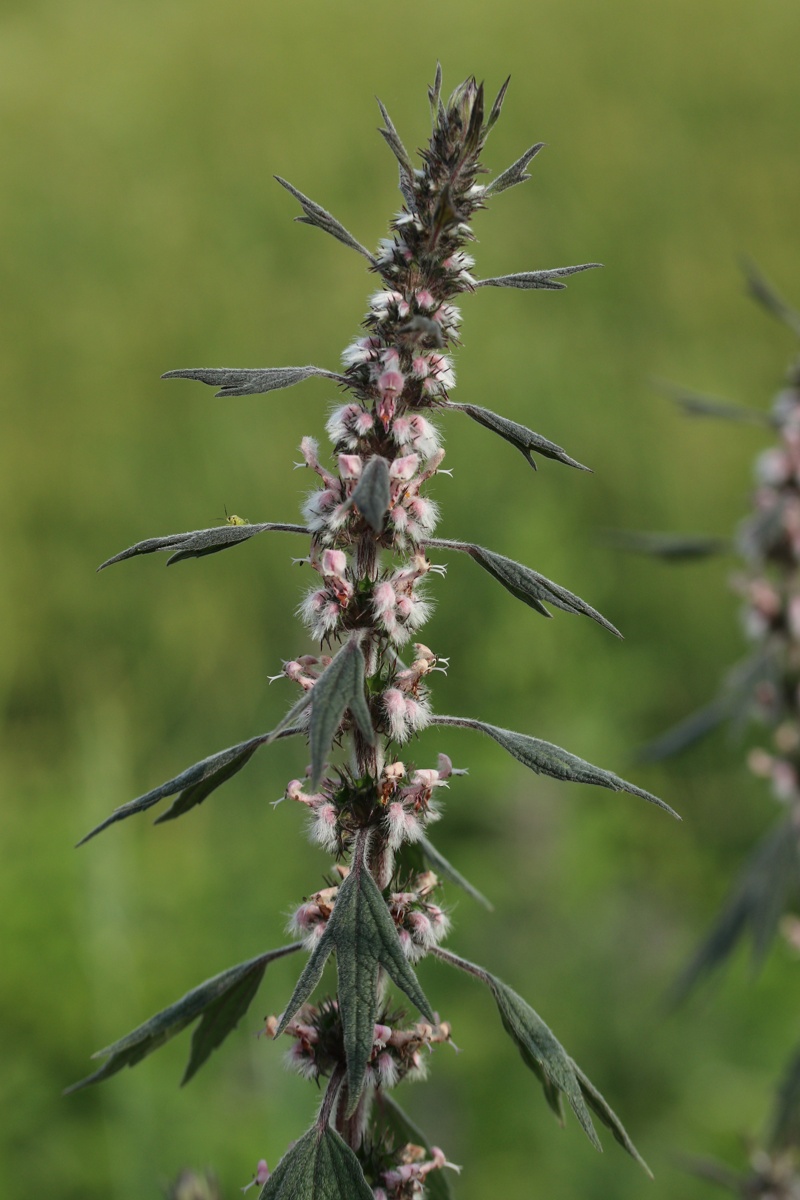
(142, 231)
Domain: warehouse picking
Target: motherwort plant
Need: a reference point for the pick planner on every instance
(763, 688)
(363, 696)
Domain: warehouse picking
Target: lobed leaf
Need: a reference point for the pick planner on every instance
(320, 1166)
(316, 215)
(602, 1109)
(544, 1055)
(364, 936)
(755, 904)
(547, 759)
(199, 542)
(246, 381)
(392, 138)
(527, 280)
(518, 435)
(220, 1002)
(403, 1130)
(340, 687)
(526, 584)
(194, 784)
(371, 493)
(517, 172)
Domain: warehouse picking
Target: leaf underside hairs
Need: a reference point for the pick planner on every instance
(362, 694)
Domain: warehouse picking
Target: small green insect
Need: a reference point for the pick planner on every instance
(234, 520)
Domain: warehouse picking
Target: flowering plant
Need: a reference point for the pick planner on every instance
(764, 688)
(371, 525)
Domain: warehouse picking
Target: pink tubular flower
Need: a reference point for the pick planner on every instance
(260, 1178)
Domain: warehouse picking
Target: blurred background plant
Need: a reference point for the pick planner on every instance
(763, 690)
(142, 228)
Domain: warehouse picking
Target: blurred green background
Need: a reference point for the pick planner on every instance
(142, 231)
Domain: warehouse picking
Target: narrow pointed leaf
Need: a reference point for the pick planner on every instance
(518, 435)
(783, 1132)
(320, 1166)
(673, 547)
(198, 542)
(547, 759)
(544, 1055)
(364, 936)
(762, 290)
(754, 906)
(526, 584)
(446, 869)
(371, 493)
(603, 1110)
(686, 732)
(696, 404)
(517, 172)
(192, 785)
(494, 113)
(527, 280)
(221, 1002)
(402, 1130)
(541, 1051)
(246, 381)
(340, 687)
(191, 796)
(392, 137)
(435, 94)
(213, 770)
(315, 214)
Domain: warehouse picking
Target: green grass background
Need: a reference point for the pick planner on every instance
(141, 231)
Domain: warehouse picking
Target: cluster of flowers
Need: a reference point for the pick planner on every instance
(770, 542)
(398, 1054)
(402, 804)
(406, 1180)
(421, 924)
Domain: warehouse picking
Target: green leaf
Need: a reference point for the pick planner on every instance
(602, 1109)
(755, 904)
(363, 934)
(526, 280)
(526, 584)
(688, 731)
(783, 1132)
(518, 435)
(392, 1120)
(316, 215)
(199, 542)
(674, 547)
(696, 404)
(516, 173)
(340, 687)
(546, 759)
(762, 290)
(221, 1002)
(371, 493)
(197, 782)
(496, 108)
(320, 1166)
(544, 1055)
(442, 867)
(246, 381)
